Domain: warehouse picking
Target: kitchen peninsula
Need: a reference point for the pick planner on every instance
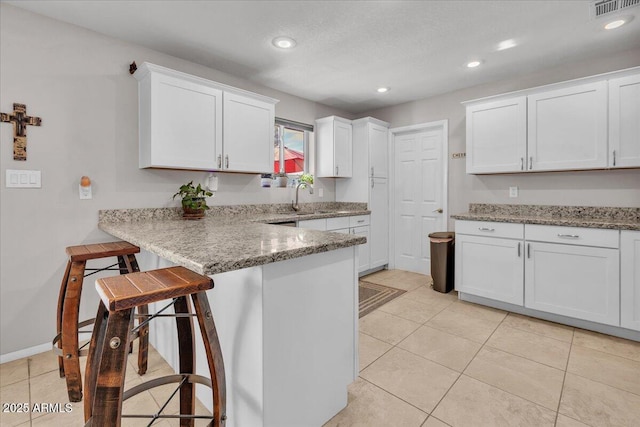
(285, 303)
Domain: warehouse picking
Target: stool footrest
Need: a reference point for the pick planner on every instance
(168, 379)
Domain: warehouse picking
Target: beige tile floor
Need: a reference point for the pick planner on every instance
(426, 360)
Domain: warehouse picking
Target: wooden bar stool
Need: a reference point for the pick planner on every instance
(106, 364)
(65, 343)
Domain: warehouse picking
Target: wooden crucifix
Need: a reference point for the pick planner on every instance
(20, 121)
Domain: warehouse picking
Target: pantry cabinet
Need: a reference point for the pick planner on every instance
(187, 122)
(630, 279)
(624, 122)
(497, 136)
(567, 128)
(334, 147)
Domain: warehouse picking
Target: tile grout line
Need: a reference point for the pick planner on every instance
(397, 397)
(564, 378)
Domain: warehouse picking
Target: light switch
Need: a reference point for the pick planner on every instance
(23, 179)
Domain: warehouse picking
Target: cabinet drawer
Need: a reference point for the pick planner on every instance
(357, 221)
(337, 223)
(313, 224)
(491, 229)
(573, 235)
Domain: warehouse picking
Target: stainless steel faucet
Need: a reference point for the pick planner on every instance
(295, 205)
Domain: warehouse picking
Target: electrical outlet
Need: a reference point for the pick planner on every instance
(320, 192)
(513, 191)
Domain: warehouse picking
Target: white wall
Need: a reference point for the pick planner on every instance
(78, 82)
(583, 188)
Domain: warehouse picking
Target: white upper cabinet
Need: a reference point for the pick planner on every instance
(624, 122)
(334, 147)
(378, 143)
(248, 134)
(187, 122)
(180, 120)
(497, 136)
(567, 128)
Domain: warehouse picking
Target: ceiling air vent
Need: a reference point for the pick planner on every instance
(606, 7)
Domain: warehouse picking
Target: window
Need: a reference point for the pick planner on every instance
(291, 145)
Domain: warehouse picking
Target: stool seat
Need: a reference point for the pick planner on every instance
(131, 290)
(112, 334)
(66, 342)
(101, 250)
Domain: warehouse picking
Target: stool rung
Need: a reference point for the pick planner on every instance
(157, 382)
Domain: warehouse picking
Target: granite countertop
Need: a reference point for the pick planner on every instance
(229, 238)
(569, 216)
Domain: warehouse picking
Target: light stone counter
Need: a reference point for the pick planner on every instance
(229, 238)
(568, 216)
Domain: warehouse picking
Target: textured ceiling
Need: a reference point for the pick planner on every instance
(346, 49)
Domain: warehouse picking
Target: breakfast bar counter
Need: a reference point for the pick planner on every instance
(285, 303)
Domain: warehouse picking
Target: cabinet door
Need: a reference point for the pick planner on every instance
(490, 267)
(379, 222)
(378, 155)
(248, 134)
(363, 250)
(180, 123)
(575, 281)
(624, 122)
(568, 128)
(630, 279)
(497, 136)
(343, 154)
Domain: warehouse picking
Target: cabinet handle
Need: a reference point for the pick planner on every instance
(518, 249)
(614, 157)
(372, 174)
(530, 162)
(373, 183)
(226, 161)
(486, 229)
(360, 220)
(568, 236)
(521, 163)
(528, 250)
(219, 161)
(337, 170)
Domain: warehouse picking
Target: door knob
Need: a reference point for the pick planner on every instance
(439, 210)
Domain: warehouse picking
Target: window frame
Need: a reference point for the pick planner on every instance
(306, 129)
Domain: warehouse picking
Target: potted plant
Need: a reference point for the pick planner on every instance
(194, 203)
(280, 179)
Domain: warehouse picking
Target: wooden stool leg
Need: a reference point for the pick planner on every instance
(186, 351)
(129, 263)
(214, 357)
(69, 339)
(95, 354)
(63, 291)
(106, 410)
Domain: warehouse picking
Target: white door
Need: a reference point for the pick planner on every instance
(419, 207)
(624, 121)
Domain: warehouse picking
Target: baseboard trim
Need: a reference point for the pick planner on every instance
(577, 323)
(26, 352)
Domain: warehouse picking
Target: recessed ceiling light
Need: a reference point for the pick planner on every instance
(506, 44)
(383, 89)
(615, 24)
(284, 42)
(473, 64)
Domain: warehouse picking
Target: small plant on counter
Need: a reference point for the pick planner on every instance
(307, 178)
(193, 200)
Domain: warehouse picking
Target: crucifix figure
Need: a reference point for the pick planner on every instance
(20, 121)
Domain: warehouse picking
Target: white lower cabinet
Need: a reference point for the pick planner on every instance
(576, 281)
(583, 273)
(630, 279)
(491, 267)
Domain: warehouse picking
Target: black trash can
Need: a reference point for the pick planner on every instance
(442, 260)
